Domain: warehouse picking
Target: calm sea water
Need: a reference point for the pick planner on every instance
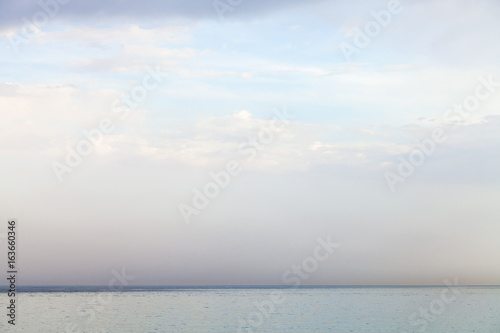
(219, 310)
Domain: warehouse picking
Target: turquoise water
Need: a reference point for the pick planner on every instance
(372, 310)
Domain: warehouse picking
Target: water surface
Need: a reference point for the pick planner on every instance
(223, 309)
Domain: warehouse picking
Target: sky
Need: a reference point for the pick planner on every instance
(219, 142)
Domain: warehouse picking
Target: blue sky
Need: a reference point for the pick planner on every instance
(222, 80)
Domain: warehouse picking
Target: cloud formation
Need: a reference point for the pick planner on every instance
(12, 12)
(322, 174)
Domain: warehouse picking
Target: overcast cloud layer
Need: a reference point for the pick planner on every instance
(12, 12)
(213, 86)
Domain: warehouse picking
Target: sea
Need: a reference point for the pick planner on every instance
(220, 309)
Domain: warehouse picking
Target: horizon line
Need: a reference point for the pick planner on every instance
(244, 286)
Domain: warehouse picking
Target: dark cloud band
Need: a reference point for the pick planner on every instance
(13, 12)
